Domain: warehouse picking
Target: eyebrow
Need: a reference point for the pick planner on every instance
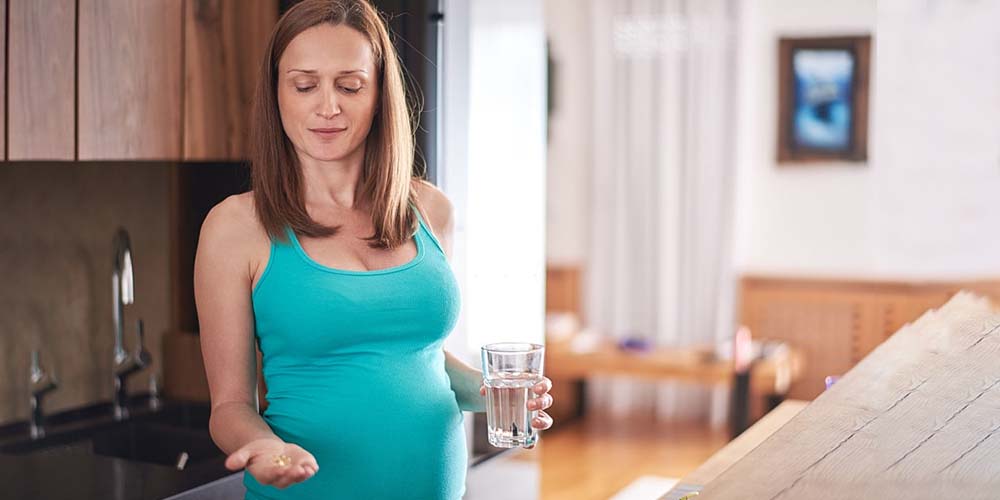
(313, 72)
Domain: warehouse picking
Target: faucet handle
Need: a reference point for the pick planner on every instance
(140, 333)
(39, 375)
(42, 382)
(36, 366)
(142, 355)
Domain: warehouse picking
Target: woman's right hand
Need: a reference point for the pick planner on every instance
(261, 459)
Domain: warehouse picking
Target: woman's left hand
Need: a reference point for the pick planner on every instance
(540, 402)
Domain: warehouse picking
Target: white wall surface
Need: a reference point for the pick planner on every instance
(922, 207)
(936, 181)
(568, 220)
(811, 219)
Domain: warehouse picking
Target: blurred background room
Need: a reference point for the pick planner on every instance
(819, 173)
(705, 209)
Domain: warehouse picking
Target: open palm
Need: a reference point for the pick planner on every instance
(260, 458)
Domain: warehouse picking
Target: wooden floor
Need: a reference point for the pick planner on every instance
(596, 457)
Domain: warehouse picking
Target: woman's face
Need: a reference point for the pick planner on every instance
(327, 92)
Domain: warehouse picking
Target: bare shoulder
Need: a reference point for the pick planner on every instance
(231, 217)
(232, 228)
(436, 206)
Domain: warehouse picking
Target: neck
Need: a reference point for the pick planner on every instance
(333, 182)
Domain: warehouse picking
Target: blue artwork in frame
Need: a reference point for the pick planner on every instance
(823, 87)
(823, 91)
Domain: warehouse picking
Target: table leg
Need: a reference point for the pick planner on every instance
(739, 412)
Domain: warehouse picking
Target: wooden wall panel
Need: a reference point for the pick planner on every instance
(42, 84)
(563, 289)
(838, 322)
(818, 326)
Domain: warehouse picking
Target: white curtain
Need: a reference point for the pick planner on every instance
(662, 187)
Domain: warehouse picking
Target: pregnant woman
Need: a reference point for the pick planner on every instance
(335, 266)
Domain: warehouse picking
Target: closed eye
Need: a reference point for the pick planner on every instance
(305, 89)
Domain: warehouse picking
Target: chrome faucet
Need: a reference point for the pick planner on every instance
(42, 383)
(127, 367)
(123, 292)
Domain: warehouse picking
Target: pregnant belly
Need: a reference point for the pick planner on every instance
(378, 433)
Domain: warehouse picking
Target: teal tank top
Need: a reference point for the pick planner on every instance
(355, 374)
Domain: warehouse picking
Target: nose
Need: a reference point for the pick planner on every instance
(329, 107)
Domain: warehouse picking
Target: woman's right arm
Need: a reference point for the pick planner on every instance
(222, 286)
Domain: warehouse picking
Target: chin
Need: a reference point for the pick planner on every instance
(329, 151)
(328, 157)
(328, 154)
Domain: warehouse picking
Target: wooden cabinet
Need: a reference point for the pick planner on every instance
(129, 80)
(41, 85)
(164, 80)
(224, 41)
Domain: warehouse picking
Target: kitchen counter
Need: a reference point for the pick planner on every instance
(73, 472)
(67, 464)
(77, 474)
(86, 455)
(736, 449)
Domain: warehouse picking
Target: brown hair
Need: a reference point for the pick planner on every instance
(386, 175)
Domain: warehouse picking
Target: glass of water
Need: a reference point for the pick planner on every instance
(510, 370)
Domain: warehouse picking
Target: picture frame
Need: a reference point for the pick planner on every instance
(823, 99)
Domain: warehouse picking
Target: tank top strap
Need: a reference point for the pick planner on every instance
(423, 227)
(280, 255)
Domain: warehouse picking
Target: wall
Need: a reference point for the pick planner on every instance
(55, 259)
(937, 166)
(921, 207)
(810, 219)
(568, 171)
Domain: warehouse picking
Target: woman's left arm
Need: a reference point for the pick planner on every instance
(466, 381)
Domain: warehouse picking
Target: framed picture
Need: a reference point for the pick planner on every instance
(823, 99)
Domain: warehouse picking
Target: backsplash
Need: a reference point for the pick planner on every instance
(56, 230)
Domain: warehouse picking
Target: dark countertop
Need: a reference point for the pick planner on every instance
(67, 465)
(73, 472)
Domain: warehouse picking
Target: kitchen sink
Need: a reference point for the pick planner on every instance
(175, 434)
(61, 442)
(156, 443)
(182, 415)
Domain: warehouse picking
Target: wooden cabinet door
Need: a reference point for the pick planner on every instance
(129, 79)
(41, 85)
(224, 42)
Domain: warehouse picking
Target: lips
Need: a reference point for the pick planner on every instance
(327, 133)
